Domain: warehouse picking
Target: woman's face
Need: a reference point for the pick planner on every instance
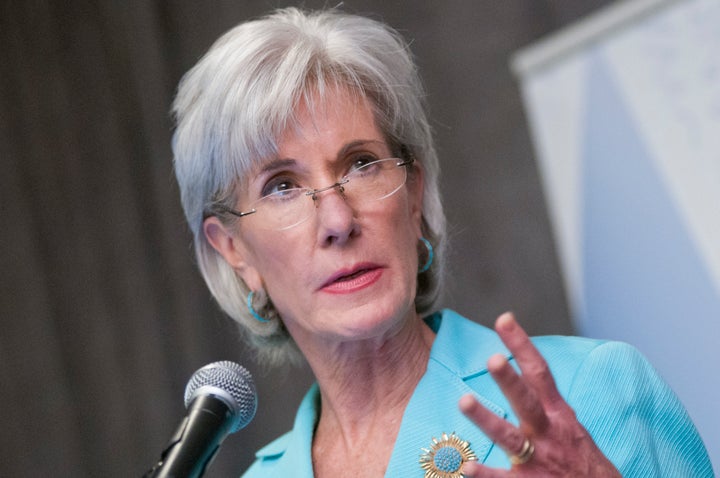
(349, 272)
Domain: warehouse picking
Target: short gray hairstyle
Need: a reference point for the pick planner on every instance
(235, 103)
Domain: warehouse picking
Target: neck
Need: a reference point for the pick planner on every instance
(358, 378)
(365, 387)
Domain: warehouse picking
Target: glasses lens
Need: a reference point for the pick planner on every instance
(283, 209)
(376, 180)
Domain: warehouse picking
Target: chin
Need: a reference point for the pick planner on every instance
(372, 320)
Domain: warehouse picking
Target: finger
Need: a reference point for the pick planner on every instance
(532, 364)
(522, 397)
(499, 430)
(473, 469)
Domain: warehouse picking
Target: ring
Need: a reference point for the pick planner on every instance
(525, 453)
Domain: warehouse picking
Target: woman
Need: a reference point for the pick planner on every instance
(310, 182)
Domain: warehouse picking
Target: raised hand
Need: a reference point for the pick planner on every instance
(549, 440)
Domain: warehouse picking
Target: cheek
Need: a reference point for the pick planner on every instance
(281, 261)
(274, 257)
(401, 233)
(408, 217)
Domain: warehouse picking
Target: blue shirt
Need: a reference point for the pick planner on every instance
(632, 415)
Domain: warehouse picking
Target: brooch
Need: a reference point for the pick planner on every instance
(445, 457)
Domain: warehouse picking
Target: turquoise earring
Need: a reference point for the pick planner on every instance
(252, 310)
(431, 256)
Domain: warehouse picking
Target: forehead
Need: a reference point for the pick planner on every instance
(322, 129)
(328, 123)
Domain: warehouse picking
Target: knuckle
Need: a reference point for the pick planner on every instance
(541, 371)
(515, 442)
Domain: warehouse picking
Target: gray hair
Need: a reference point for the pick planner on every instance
(236, 102)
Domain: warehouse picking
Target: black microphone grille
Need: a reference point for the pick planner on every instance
(231, 383)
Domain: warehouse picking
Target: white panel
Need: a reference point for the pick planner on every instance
(669, 70)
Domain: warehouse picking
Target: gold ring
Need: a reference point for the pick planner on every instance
(525, 453)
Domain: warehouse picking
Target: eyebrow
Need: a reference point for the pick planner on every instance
(275, 164)
(360, 142)
(283, 163)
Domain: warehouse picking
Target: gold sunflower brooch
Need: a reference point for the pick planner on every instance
(445, 457)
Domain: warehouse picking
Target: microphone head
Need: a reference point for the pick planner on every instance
(229, 382)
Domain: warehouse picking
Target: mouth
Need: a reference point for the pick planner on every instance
(353, 279)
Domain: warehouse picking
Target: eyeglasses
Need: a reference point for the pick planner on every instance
(288, 208)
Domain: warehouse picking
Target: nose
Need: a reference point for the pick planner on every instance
(335, 217)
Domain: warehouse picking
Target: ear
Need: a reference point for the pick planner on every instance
(233, 250)
(416, 190)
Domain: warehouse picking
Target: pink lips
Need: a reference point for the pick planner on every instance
(357, 278)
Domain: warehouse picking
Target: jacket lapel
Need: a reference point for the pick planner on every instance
(459, 352)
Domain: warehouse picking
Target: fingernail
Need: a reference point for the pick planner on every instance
(496, 362)
(506, 321)
(467, 403)
(469, 468)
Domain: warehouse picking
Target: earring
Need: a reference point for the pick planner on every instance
(252, 310)
(431, 256)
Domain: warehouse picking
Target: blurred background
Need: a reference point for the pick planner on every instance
(104, 315)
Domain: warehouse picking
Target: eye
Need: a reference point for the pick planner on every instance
(360, 161)
(279, 185)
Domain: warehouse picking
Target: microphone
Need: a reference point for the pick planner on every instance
(220, 399)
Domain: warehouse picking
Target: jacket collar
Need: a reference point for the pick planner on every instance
(463, 346)
(294, 449)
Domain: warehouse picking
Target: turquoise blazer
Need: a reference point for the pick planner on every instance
(632, 415)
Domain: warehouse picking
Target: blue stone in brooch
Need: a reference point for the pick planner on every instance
(445, 457)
